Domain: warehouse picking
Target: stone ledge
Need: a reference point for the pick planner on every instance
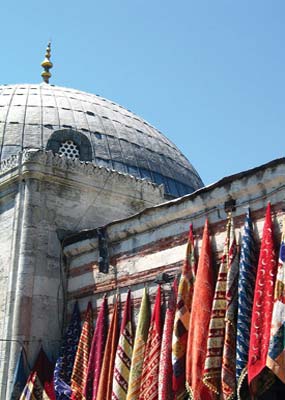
(45, 163)
(249, 187)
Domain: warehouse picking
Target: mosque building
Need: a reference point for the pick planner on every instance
(94, 200)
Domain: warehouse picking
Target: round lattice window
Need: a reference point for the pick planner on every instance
(69, 149)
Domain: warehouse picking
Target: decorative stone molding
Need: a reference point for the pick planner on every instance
(45, 163)
(10, 163)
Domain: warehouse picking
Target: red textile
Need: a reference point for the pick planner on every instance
(276, 353)
(149, 380)
(106, 378)
(181, 320)
(175, 289)
(97, 352)
(79, 373)
(262, 306)
(199, 322)
(40, 381)
(165, 365)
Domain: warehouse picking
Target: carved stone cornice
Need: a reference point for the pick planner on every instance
(9, 163)
(46, 165)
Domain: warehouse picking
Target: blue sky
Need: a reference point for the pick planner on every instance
(210, 74)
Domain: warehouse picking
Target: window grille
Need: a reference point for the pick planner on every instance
(69, 149)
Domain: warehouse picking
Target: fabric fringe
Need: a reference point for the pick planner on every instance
(208, 384)
(243, 375)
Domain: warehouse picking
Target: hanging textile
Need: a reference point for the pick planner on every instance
(106, 377)
(199, 322)
(165, 365)
(216, 333)
(39, 385)
(246, 282)
(229, 349)
(20, 376)
(123, 355)
(258, 377)
(64, 364)
(139, 348)
(175, 294)
(149, 379)
(276, 352)
(97, 352)
(181, 321)
(79, 373)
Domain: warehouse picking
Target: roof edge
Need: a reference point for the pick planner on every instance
(92, 233)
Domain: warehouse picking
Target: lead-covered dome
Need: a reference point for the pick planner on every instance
(89, 127)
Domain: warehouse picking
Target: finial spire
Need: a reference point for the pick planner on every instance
(47, 65)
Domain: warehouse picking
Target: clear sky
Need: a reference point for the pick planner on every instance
(210, 74)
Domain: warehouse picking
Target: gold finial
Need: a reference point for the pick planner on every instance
(47, 65)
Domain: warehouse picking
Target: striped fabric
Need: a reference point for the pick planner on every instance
(199, 322)
(124, 355)
(229, 350)
(106, 376)
(39, 385)
(276, 352)
(216, 334)
(258, 377)
(149, 379)
(182, 317)
(165, 365)
(246, 282)
(139, 348)
(97, 352)
(79, 373)
(64, 364)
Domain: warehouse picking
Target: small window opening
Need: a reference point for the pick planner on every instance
(69, 149)
(90, 113)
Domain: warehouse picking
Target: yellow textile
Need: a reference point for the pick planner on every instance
(139, 348)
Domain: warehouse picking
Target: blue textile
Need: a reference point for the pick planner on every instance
(20, 376)
(64, 364)
(246, 283)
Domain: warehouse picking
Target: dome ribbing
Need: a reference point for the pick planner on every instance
(31, 114)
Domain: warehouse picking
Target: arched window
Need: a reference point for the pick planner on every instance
(70, 143)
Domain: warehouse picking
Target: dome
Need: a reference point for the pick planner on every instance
(87, 126)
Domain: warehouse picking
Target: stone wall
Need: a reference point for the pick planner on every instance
(55, 196)
(154, 241)
(8, 200)
(47, 199)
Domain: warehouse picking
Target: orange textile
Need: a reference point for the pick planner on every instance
(79, 372)
(216, 333)
(106, 376)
